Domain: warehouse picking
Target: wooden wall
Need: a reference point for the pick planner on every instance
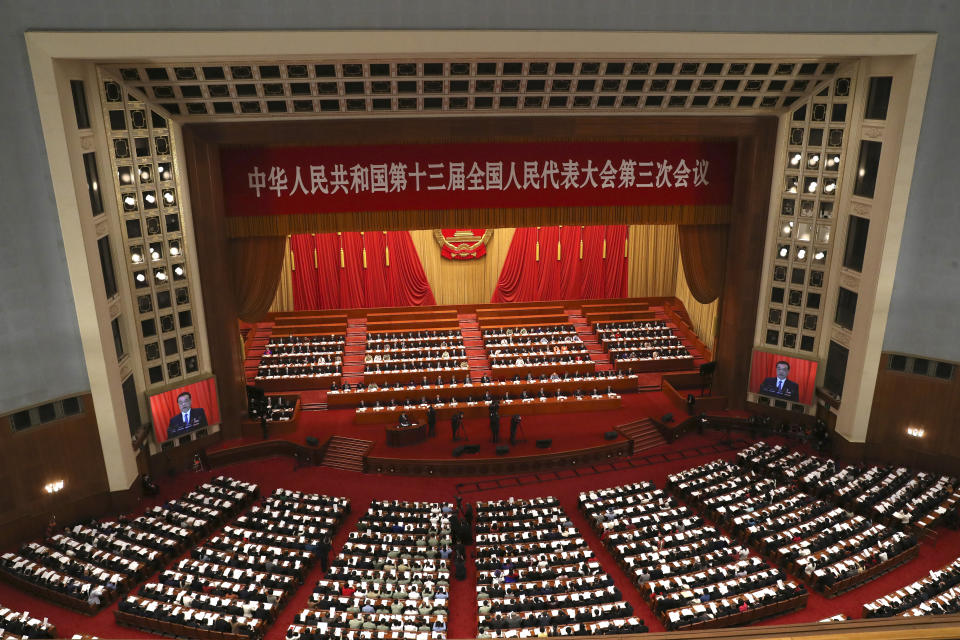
(68, 450)
(903, 400)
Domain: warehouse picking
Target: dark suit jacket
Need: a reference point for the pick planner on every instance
(197, 419)
(791, 390)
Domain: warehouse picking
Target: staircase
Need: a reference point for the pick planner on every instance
(256, 341)
(354, 349)
(346, 453)
(642, 433)
(473, 345)
(601, 359)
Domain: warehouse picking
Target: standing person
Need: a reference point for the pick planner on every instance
(514, 426)
(495, 421)
(323, 550)
(455, 425)
(431, 421)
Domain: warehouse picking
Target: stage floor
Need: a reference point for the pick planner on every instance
(569, 432)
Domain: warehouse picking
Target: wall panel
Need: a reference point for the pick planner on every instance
(904, 400)
(66, 449)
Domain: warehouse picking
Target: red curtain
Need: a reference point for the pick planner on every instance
(518, 281)
(703, 252)
(163, 406)
(564, 274)
(803, 372)
(352, 271)
(304, 274)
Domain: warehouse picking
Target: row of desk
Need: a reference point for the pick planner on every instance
(343, 399)
(481, 409)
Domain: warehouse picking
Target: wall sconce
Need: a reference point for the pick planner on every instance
(53, 487)
(915, 432)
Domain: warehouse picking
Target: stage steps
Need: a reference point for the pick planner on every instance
(354, 349)
(642, 433)
(346, 453)
(256, 342)
(474, 346)
(600, 357)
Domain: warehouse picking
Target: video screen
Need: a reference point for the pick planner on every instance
(179, 411)
(783, 377)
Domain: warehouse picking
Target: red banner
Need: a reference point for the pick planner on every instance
(266, 181)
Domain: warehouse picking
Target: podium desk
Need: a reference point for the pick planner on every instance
(398, 436)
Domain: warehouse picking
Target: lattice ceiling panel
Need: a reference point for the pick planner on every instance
(241, 89)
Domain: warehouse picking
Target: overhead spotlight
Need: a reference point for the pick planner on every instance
(161, 276)
(150, 198)
(786, 229)
(814, 159)
(178, 270)
(812, 186)
(136, 258)
(174, 250)
(168, 197)
(819, 255)
(801, 254)
(129, 201)
(53, 487)
(836, 159)
(783, 252)
(830, 188)
(141, 277)
(795, 160)
(144, 175)
(915, 432)
(155, 254)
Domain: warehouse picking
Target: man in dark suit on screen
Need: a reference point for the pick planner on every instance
(780, 386)
(188, 418)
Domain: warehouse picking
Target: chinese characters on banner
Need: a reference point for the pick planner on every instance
(305, 180)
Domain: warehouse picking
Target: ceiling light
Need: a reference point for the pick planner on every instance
(136, 257)
(795, 160)
(154, 254)
(812, 186)
(814, 159)
(141, 277)
(129, 201)
(150, 198)
(915, 432)
(161, 276)
(830, 188)
(168, 197)
(174, 251)
(801, 254)
(819, 255)
(783, 252)
(178, 270)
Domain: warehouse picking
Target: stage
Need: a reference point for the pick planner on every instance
(330, 429)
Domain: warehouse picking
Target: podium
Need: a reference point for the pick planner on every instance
(398, 436)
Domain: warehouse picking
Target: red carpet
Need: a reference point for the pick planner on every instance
(279, 472)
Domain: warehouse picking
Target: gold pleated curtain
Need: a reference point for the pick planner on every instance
(256, 264)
